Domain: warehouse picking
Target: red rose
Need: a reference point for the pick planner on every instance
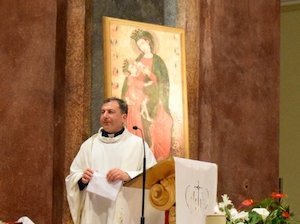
(276, 195)
(285, 214)
(248, 202)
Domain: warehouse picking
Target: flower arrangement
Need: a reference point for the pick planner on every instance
(270, 210)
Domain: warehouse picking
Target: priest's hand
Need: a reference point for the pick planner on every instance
(87, 175)
(117, 174)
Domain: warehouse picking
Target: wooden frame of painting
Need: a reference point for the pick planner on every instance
(145, 65)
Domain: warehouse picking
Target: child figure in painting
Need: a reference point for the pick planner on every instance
(133, 93)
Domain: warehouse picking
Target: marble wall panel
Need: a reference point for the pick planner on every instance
(51, 89)
(27, 58)
(239, 112)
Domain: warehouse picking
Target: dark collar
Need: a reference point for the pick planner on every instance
(111, 135)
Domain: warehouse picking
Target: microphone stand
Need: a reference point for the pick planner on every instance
(144, 176)
(144, 183)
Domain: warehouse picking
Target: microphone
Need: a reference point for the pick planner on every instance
(144, 175)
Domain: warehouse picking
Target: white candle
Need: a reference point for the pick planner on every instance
(215, 219)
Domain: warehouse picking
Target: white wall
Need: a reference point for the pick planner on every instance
(289, 166)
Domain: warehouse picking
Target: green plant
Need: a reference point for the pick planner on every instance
(270, 210)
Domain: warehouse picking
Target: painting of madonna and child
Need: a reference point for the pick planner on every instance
(145, 65)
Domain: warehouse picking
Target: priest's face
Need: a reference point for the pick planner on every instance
(112, 119)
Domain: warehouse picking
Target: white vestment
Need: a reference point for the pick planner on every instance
(101, 154)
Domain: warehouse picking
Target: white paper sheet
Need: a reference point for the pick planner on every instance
(99, 185)
(25, 220)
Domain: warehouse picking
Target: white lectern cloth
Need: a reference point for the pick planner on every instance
(196, 190)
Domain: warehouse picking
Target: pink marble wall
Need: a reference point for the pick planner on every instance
(233, 97)
(27, 58)
(239, 100)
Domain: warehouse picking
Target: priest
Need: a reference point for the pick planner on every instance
(114, 152)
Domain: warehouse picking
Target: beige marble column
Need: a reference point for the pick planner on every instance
(73, 87)
(189, 18)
